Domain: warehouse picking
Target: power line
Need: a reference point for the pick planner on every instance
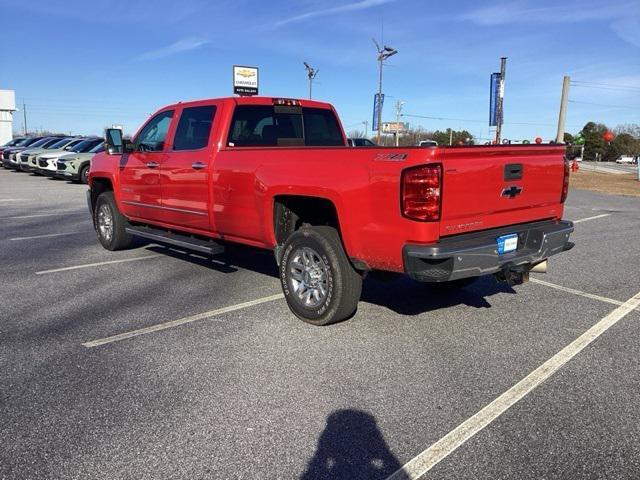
(613, 89)
(603, 105)
(598, 84)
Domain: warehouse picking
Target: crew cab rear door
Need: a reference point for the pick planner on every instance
(185, 173)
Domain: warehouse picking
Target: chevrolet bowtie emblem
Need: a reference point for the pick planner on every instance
(512, 192)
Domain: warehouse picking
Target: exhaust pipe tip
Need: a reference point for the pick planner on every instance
(540, 267)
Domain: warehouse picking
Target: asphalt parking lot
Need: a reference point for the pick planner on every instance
(231, 385)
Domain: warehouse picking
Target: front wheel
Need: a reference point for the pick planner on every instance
(110, 224)
(84, 175)
(319, 283)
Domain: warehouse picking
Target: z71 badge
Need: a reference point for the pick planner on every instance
(391, 157)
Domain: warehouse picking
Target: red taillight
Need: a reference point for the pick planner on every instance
(565, 181)
(421, 192)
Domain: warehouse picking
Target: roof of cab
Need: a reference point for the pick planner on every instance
(249, 100)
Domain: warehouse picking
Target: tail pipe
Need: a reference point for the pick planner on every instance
(519, 274)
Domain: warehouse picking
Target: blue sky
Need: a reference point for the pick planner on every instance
(82, 65)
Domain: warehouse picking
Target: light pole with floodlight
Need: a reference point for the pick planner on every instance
(383, 53)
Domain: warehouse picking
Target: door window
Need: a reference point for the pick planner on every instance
(154, 133)
(194, 128)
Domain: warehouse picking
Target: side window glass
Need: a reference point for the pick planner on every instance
(154, 133)
(252, 126)
(194, 128)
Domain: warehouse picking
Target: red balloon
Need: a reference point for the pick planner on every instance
(538, 140)
(608, 136)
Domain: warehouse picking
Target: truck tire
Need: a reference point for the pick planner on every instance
(110, 224)
(319, 283)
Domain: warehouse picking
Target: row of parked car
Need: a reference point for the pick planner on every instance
(54, 156)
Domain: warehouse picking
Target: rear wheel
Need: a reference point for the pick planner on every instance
(319, 283)
(110, 224)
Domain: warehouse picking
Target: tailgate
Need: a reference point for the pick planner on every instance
(488, 187)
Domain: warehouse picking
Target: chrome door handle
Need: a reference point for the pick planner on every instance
(153, 164)
(198, 165)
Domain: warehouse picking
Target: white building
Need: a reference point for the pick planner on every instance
(7, 107)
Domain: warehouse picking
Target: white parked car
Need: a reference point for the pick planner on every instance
(427, 143)
(626, 159)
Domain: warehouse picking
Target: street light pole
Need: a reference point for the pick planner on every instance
(383, 53)
(366, 128)
(311, 74)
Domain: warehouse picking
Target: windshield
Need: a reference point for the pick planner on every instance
(85, 145)
(50, 141)
(28, 141)
(13, 142)
(98, 148)
(39, 143)
(59, 144)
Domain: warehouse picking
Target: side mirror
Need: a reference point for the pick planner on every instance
(113, 142)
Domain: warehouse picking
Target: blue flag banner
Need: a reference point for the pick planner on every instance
(493, 99)
(376, 104)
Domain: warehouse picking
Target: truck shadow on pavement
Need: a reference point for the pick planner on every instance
(407, 297)
(351, 446)
(401, 295)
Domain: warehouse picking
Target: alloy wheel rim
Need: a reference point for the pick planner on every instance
(105, 222)
(308, 277)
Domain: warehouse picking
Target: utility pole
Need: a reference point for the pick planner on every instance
(500, 109)
(399, 105)
(450, 136)
(383, 53)
(24, 112)
(311, 74)
(563, 109)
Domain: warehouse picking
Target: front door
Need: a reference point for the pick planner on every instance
(185, 173)
(140, 170)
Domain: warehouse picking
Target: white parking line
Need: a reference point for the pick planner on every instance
(88, 265)
(181, 321)
(47, 235)
(430, 457)
(13, 199)
(591, 218)
(73, 212)
(576, 292)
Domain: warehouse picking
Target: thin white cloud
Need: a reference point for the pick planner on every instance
(184, 45)
(624, 16)
(524, 12)
(350, 7)
(628, 29)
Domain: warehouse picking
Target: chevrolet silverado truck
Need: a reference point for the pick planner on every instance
(277, 174)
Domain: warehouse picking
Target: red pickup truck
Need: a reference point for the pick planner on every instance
(277, 174)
